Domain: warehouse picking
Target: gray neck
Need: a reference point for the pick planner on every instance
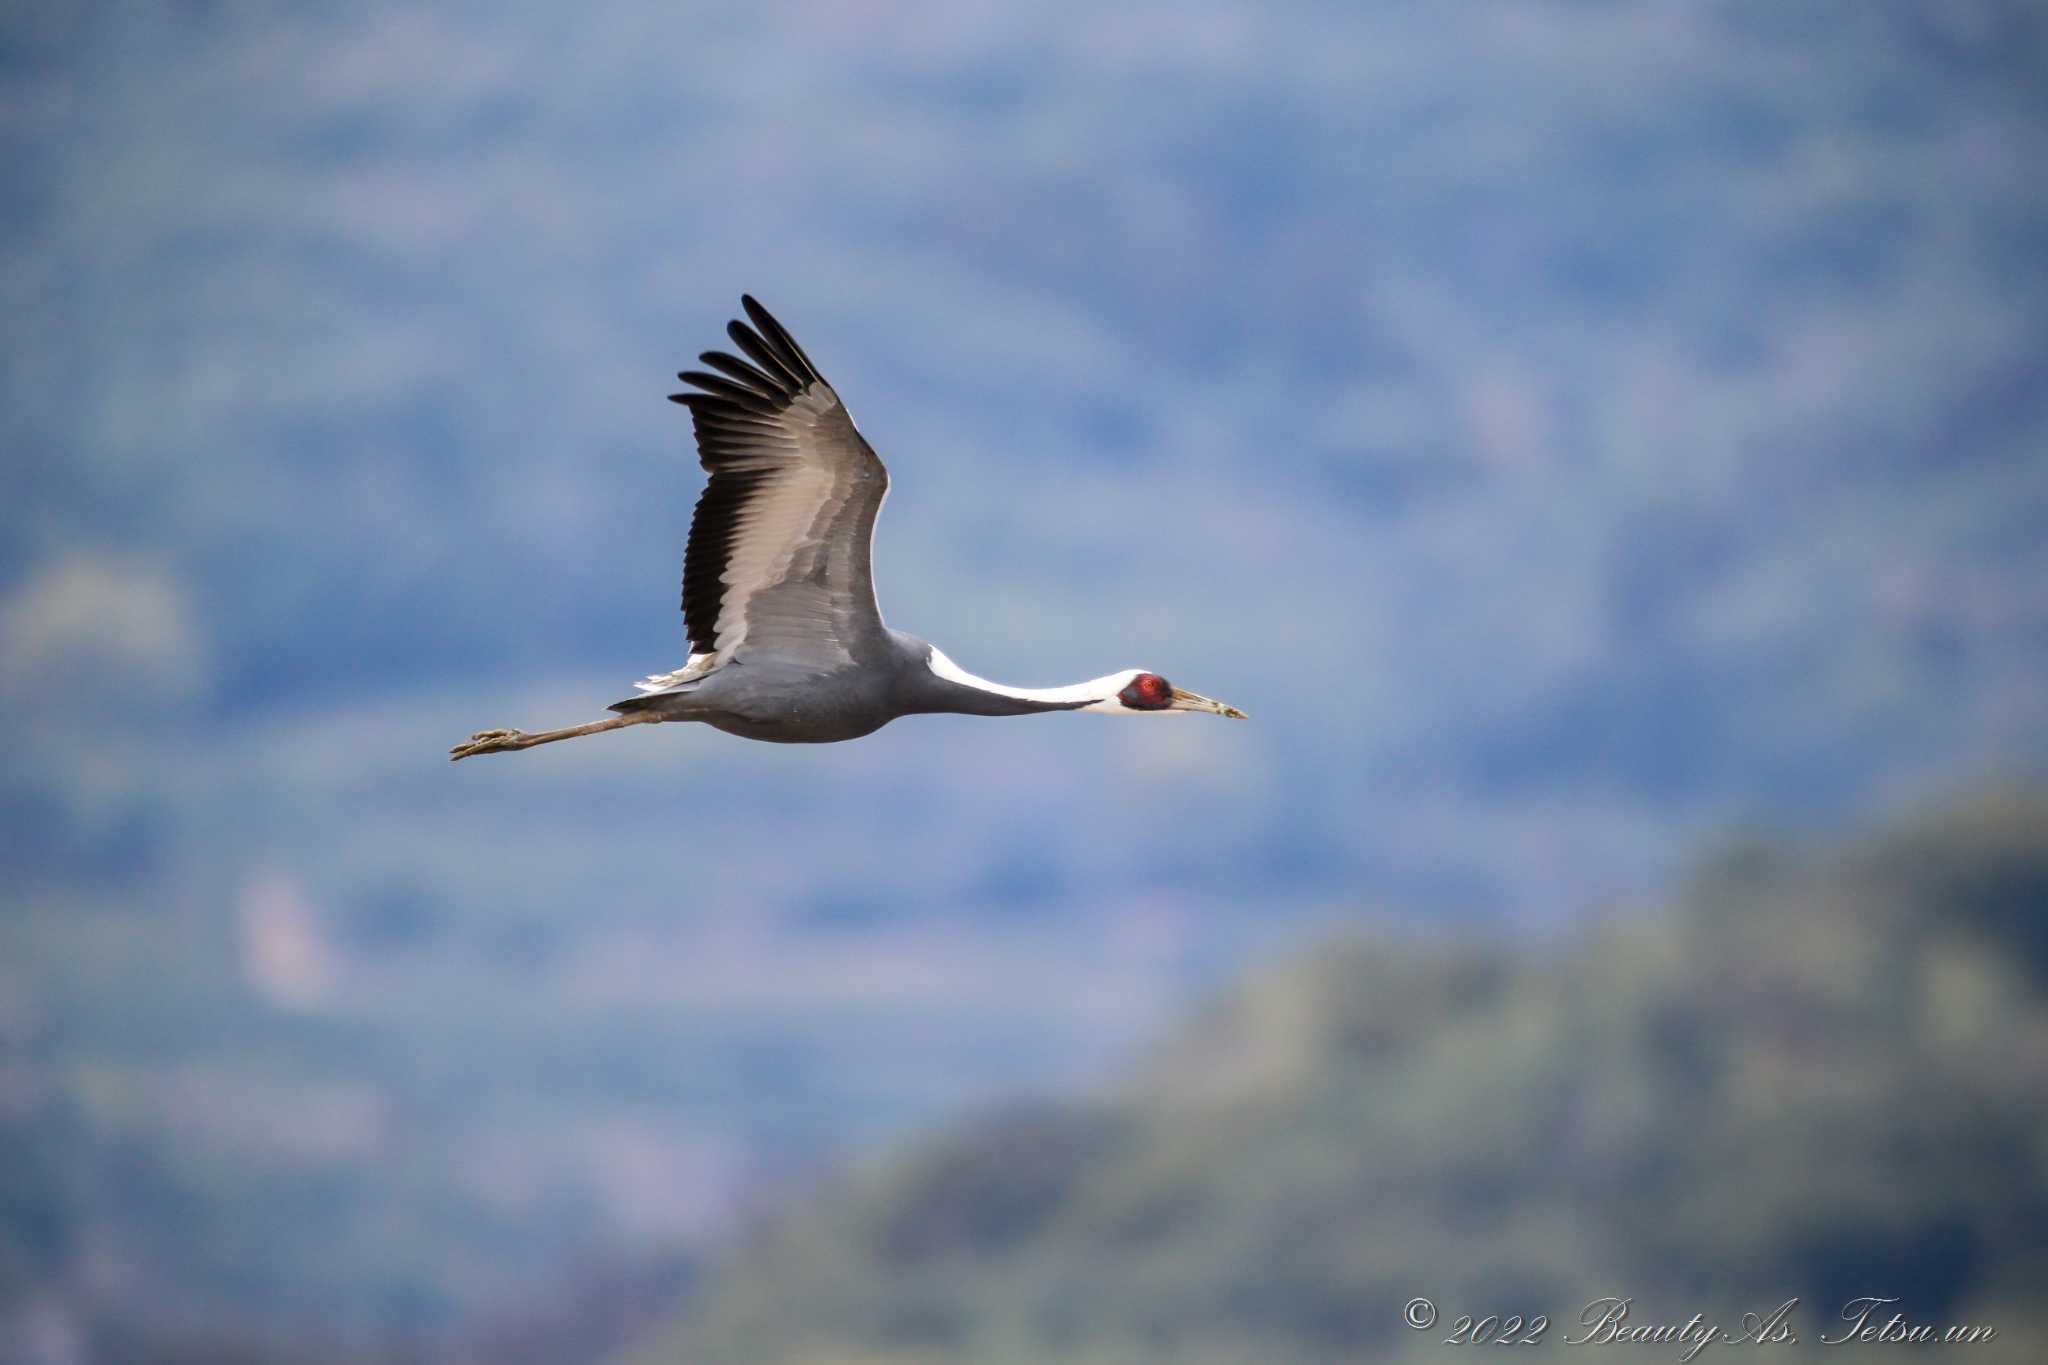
(933, 683)
(938, 695)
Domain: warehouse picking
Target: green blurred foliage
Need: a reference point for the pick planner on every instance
(1821, 1073)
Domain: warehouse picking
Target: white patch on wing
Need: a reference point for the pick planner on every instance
(1099, 693)
(697, 667)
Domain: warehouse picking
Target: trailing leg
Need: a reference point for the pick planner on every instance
(504, 741)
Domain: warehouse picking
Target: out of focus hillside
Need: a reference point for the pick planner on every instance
(1820, 1073)
(1567, 429)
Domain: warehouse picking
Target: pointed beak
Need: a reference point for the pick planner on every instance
(1195, 701)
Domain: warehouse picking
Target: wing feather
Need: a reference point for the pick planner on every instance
(757, 351)
(779, 558)
(739, 370)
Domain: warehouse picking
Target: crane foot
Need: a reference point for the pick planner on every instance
(488, 742)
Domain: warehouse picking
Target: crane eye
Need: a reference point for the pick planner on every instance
(1146, 692)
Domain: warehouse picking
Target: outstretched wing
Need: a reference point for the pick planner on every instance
(779, 549)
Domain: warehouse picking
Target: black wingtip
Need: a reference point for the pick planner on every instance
(779, 342)
(763, 319)
(780, 369)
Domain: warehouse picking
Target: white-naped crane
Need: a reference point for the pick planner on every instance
(786, 640)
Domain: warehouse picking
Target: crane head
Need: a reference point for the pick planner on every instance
(1146, 693)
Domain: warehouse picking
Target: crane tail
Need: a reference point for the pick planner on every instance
(660, 685)
(648, 701)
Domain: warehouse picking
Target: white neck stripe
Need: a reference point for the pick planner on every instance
(1099, 693)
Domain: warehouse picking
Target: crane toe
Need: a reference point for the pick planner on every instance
(486, 742)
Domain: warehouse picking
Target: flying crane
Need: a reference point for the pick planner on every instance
(786, 640)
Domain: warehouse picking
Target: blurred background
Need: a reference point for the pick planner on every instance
(1604, 446)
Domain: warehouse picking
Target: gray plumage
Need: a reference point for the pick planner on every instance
(787, 642)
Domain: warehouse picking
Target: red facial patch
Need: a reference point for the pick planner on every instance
(1146, 692)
